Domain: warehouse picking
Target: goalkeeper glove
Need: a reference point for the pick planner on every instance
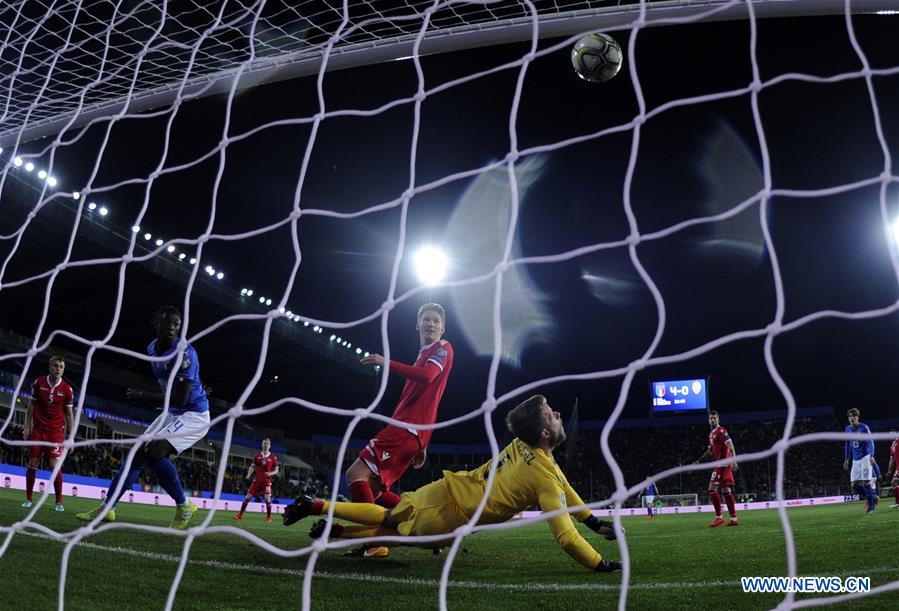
(601, 527)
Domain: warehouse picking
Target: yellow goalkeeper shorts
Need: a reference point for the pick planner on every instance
(428, 511)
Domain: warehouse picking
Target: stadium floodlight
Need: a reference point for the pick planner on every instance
(268, 302)
(305, 323)
(262, 300)
(104, 210)
(220, 275)
(333, 337)
(148, 235)
(17, 162)
(42, 174)
(366, 354)
(135, 228)
(249, 292)
(181, 256)
(76, 195)
(430, 265)
(29, 167)
(193, 260)
(358, 350)
(51, 180)
(243, 291)
(92, 206)
(159, 242)
(171, 248)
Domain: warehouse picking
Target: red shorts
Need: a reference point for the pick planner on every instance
(52, 452)
(723, 476)
(260, 489)
(390, 453)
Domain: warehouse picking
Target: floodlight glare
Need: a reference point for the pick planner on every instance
(243, 291)
(181, 256)
(135, 228)
(220, 275)
(29, 166)
(159, 242)
(430, 265)
(193, 260)
(104, 210)
(249, 292)
(76, 195)
(17, 162)
(92, 206)
(42, 174)
(262, 300)
(51, 180)
(148, 235)
(268, 302)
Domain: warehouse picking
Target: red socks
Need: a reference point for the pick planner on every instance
(731, 505)
(268, 510)
(360, 492)
(29, 481)
(243, 507)
(388, 499)
(896, 493)
(716, 501)
(57, 487)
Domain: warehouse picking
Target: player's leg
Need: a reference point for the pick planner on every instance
(34, 461)
(243, 505)
(367, 514)
(387, 498)
(268, 505)
(128, 479)
(57, 482)
(360, 477)
(730, 501)
(715, 498)
(895, 485)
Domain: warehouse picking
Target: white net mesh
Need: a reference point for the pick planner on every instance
(67, 64)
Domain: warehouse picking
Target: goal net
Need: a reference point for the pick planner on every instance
(673, 500)
(598, 231)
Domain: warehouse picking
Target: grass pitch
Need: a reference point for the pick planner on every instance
(677, 563)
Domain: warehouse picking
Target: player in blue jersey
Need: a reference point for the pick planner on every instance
(185, 423)
(650, 495)
(862, 454)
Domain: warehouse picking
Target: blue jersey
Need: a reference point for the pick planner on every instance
(858, 448)
(190, 371)
(650, 490)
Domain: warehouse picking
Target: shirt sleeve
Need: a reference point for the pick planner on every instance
(846, 446)
(70, 397)
(551, 498)
(190, 366)
(426, 374)
(870, 442)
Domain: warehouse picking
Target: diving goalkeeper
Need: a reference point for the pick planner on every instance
(526, 476)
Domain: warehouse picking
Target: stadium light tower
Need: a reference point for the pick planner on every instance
(430, 265)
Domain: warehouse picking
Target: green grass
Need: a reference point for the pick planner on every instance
(677, 563)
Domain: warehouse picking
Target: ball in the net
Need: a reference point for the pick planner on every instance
(596, 57)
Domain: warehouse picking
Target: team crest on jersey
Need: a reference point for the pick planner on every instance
(441, 352)
(385, 455)
(185, 363)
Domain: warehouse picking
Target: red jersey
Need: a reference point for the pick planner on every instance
(264, 465)
(718, 443)
(894, 452)
(49, 403)
(419, 399)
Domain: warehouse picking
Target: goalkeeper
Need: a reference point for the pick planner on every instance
(526, 476)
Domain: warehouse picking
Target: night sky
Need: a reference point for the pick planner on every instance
(587, 314)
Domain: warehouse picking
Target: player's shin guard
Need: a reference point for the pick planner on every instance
(57, 487)
(716, 501)
(243, 507)
(388, 499)
(268, 510)
(30, 473)
(360, 513)
(168, 479)
(731, 504)
(360, 492)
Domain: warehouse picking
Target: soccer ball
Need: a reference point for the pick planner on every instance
(596, 57)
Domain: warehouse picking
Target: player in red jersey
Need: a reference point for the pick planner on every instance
(894, 469)
(721, 446)
(265, 464)
(386, 457)
(48, 417)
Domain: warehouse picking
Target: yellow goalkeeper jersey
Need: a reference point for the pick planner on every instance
(525, 477)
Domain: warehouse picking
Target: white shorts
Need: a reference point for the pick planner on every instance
(649, 499)
(861, 470)
(182, 431)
